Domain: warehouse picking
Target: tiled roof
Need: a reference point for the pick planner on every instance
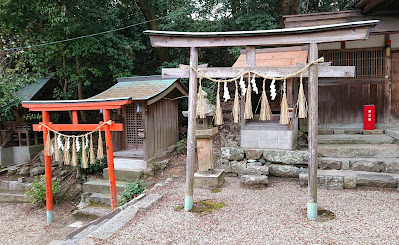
(138, 88)
(32, 89)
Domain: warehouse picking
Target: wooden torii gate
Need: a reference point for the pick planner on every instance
(74, 105)
(250, 39)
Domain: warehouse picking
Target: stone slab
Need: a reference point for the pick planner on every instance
(102, 186)
(324, 181)
(129, 163)
(232, 154)
(286, 156)
(376, 180)
(124, 174)
(205, 154)
(253, 154)
(285, 171)
(213, 180)
(256, 170)
(254, 180)
(13, 198)
(354, 139)
(206, 133)
(392, 132)
(148, 201)
(359, 150)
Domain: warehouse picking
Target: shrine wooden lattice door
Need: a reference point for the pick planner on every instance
(134, 124)
(395, 87)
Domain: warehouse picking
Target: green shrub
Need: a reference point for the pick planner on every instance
(37, 192)
(181, 144)
(132, 190)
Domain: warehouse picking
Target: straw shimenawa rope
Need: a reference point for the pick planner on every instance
(284, 117)
(265, 111)
(236, 106)
(218, 113)
(258, 74)
(302, 103)
(248, 102)
(201, 102)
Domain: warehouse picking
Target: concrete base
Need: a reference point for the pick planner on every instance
(18, 154)
(213, 180)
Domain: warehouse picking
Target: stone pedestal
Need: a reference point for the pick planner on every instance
(209, 180)
(205, 150)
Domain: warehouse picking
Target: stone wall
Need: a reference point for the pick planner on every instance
(280, 163)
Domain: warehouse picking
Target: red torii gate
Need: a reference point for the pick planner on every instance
(74, 105)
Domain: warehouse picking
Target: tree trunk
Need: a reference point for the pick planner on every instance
(288, 7)
(149, 14)
(80, 87)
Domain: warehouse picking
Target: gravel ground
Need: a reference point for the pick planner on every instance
(25, 224)
(275, 215)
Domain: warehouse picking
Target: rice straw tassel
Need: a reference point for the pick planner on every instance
(100, 149)
(84, 163)
(218, 113)
(67, 156)
(74, 157)
(302, 103)
(47, 148)
(201, 103)
(284, 118)
(92, 156)
(236, 106)
(57, 157)
(248, 102)
(265, 111)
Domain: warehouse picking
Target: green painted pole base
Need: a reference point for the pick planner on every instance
(312, 210)
(188, 203)
(49, 217)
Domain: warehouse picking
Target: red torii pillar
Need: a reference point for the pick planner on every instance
(74, 105)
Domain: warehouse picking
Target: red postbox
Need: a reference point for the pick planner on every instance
(369, 117)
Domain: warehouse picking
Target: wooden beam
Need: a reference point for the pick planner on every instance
(77, 127)
(191, 135)
(313, 131)
(229, 72)
(325, 36)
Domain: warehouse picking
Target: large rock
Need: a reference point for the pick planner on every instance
(287, 171)
(377, 180)
(286, 157)
(232, 154)
(224, 164)
(253, 154)
(254, 180)
(329, 164)
(24, 171)
(256, 170)
(364, 165)
(392, 167)
(37, 171)
(324, 181)
(238, 167)
(350, 182)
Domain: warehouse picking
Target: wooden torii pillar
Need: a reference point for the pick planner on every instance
(290, 36)
(74, 105)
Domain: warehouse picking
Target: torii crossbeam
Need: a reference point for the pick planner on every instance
(74, 105)
(250, 39)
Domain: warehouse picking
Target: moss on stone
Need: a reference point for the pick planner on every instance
(201, 207)
(216, 190)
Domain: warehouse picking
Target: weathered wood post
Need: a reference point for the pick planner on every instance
(47, 166)
(110, 158)
(313, 85)
(192, 115)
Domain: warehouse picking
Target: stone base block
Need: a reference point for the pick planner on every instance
(214, 180)
(256, 181)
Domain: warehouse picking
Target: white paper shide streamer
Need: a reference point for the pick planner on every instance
(59, 142)
(253, 84)
(87, 142)
(273, 93)
(69, 144)
(77, 144)
(226, 94)
(242, 85)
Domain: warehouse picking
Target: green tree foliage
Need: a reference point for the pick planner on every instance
(86, 66)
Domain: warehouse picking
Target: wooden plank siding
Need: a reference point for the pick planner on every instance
(162, 126)
(341, 100)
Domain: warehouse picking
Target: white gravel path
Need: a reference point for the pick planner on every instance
(275, 215)
(24, 224)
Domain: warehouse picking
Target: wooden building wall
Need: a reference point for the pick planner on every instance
(342, 100)
(161, 126)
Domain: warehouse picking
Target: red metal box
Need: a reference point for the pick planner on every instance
(369, 117)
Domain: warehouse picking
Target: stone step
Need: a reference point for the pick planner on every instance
(343, 130)
(354, 139)
(102, 186)
(129, 163)
(124, 174)
(388, 165)
(358, 150)
(99, 198)
(13, 198)
(349, 179)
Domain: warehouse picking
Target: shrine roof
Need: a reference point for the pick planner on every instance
(276, 57)
(264, 32)
(151, 88)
